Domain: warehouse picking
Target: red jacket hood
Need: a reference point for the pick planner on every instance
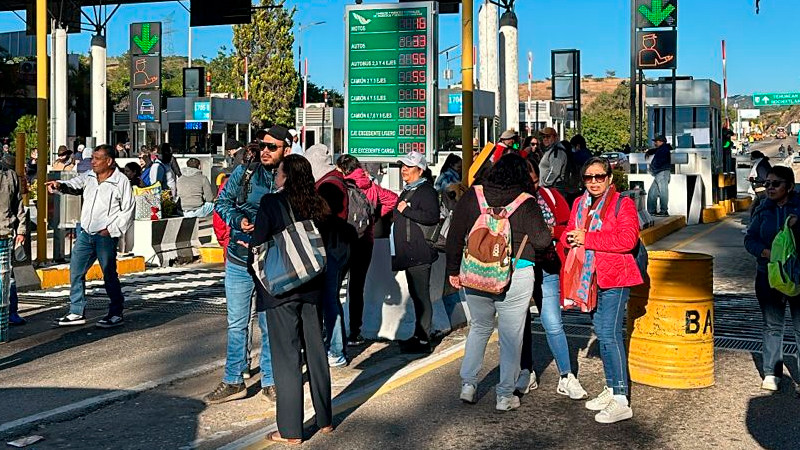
(360, 177)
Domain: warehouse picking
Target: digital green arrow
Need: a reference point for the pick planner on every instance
(146, 42)
(656, 13)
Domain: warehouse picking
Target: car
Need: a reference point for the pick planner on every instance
(618, 160)
(796, 159)
(146, 107)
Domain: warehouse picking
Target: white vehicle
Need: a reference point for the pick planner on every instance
(794, 128)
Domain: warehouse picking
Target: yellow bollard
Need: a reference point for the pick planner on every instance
(671, 322)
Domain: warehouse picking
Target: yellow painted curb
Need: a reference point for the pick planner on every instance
(662, 229)
(212, 254)
(59, 275)
(714, 214)
(743, 204)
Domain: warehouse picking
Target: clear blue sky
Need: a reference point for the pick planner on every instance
(762, 49)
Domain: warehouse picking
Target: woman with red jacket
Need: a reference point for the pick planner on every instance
(383, 201)
(546, 295)
(599, 271)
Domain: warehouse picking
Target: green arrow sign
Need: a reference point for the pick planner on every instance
(657, 13)
(776, 99)
(145, 41)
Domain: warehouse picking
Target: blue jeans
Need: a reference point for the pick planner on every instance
(607, 321)
(332, 310)
(511, 313)
(659, 191)
(89, 248)
(551, 321)
(239, 289)
(773, 310)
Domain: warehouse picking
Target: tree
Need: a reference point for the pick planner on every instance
(316, 94)
(27, 126)
(610, 73)
(267, 41)
(222, 73)
(606, 130)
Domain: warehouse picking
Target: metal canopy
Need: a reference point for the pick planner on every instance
(21, 5)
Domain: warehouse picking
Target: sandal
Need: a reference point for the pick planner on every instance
(275, 436)
(326, 430)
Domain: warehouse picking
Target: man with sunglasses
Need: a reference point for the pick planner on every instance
(237, 205)
(658, 194)
(555, 159)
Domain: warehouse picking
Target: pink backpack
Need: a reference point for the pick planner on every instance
(486, 264)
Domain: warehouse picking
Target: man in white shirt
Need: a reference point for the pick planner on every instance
(297, 149)
(106, 214)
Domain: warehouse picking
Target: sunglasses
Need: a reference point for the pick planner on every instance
(598, 178)
(271, 147)
(777, 183)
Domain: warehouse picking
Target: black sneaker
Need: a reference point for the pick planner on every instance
(269, 394)
(355, 341)
(71, 320)
(110, 321)
(225, 392)
(415, 345)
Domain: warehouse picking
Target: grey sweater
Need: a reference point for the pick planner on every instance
(194, 189)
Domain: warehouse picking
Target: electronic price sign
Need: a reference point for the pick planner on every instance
(391, 80)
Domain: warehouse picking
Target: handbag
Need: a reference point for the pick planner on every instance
(147, 202)
(291, 258)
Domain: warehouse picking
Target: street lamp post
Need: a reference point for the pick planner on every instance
(300, 29)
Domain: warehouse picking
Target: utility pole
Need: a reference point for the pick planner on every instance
(41, 130)
(467, 81)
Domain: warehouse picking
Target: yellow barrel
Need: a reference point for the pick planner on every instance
(671, 322)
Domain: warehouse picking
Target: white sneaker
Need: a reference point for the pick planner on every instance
(770, 383)
(507, 403)
(526, 382)
(614, 412)
(571, 387)
(600, 402)
(468, 393)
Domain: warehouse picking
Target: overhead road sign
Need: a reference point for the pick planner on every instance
(657, 49)
(216, 12)
(146, 106)
(656, 13)
(145, 38)
(776, 99)
(390, 80)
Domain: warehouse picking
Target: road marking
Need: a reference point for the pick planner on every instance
(697, 236)
(257, 439)
(93, 402)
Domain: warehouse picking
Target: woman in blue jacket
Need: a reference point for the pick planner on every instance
(768, 219)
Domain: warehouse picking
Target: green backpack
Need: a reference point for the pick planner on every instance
(783, 261)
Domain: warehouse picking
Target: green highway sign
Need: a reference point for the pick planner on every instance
(776, 99)
(390, 84)
(145, 38)
(656, 13)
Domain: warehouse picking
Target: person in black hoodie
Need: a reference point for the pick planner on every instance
(295, 318)
(508, 179)
(415, 218)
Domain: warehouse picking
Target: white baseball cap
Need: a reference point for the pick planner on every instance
(293, 132)
(414, 159)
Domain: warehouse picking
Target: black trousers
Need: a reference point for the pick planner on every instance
(419, 286)
(360, 259)
(296, 326)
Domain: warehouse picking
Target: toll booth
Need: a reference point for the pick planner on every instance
(700, 170)
(325, 125)
(543, 113)
(201, 125)
(450, 109)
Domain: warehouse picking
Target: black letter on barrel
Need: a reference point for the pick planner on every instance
(692, 322)
(709, 322)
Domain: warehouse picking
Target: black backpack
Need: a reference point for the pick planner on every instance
(360, 212)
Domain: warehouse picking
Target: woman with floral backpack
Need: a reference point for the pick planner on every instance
(504, 198)
(600, 269)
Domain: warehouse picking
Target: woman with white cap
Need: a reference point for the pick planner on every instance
(85, 164)
(415, 218)
(297, 149)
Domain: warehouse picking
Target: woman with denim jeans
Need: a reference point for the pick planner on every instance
(547, 296)
(602, 238)
(767, 220)
(507, 181)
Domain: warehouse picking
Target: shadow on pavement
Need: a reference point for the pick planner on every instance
(772, 420)
(158, 422)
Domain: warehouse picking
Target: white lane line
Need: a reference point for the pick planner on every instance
(109, 397)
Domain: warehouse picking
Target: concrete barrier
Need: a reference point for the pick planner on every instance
(167, 240)
(59, 275)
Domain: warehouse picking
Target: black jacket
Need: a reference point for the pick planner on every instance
(269, 222)
(527, 220)
(411, 248)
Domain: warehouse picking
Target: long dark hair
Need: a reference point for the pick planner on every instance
(450, 162)
(348, 164)
(511, 171)
(299, 189)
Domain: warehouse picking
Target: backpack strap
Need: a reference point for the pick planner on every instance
(513, 206)
(521, 248)
(482, 204)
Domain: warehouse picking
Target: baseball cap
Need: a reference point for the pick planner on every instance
(659, 138)
(414, 159)
(508, 134)
(549, 131)
(293, 132)
(232, 144)
(280, 133)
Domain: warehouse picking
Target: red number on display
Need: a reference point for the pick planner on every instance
(418, 40)
(421, 23)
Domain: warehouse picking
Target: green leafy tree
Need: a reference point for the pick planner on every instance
(606, 130)
(27, 126)
(222, 73)
(267, 41)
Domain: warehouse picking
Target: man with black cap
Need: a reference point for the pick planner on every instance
(237, 205)
(658, 195)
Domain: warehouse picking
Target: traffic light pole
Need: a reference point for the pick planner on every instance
(467, 80)
(41, 130)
